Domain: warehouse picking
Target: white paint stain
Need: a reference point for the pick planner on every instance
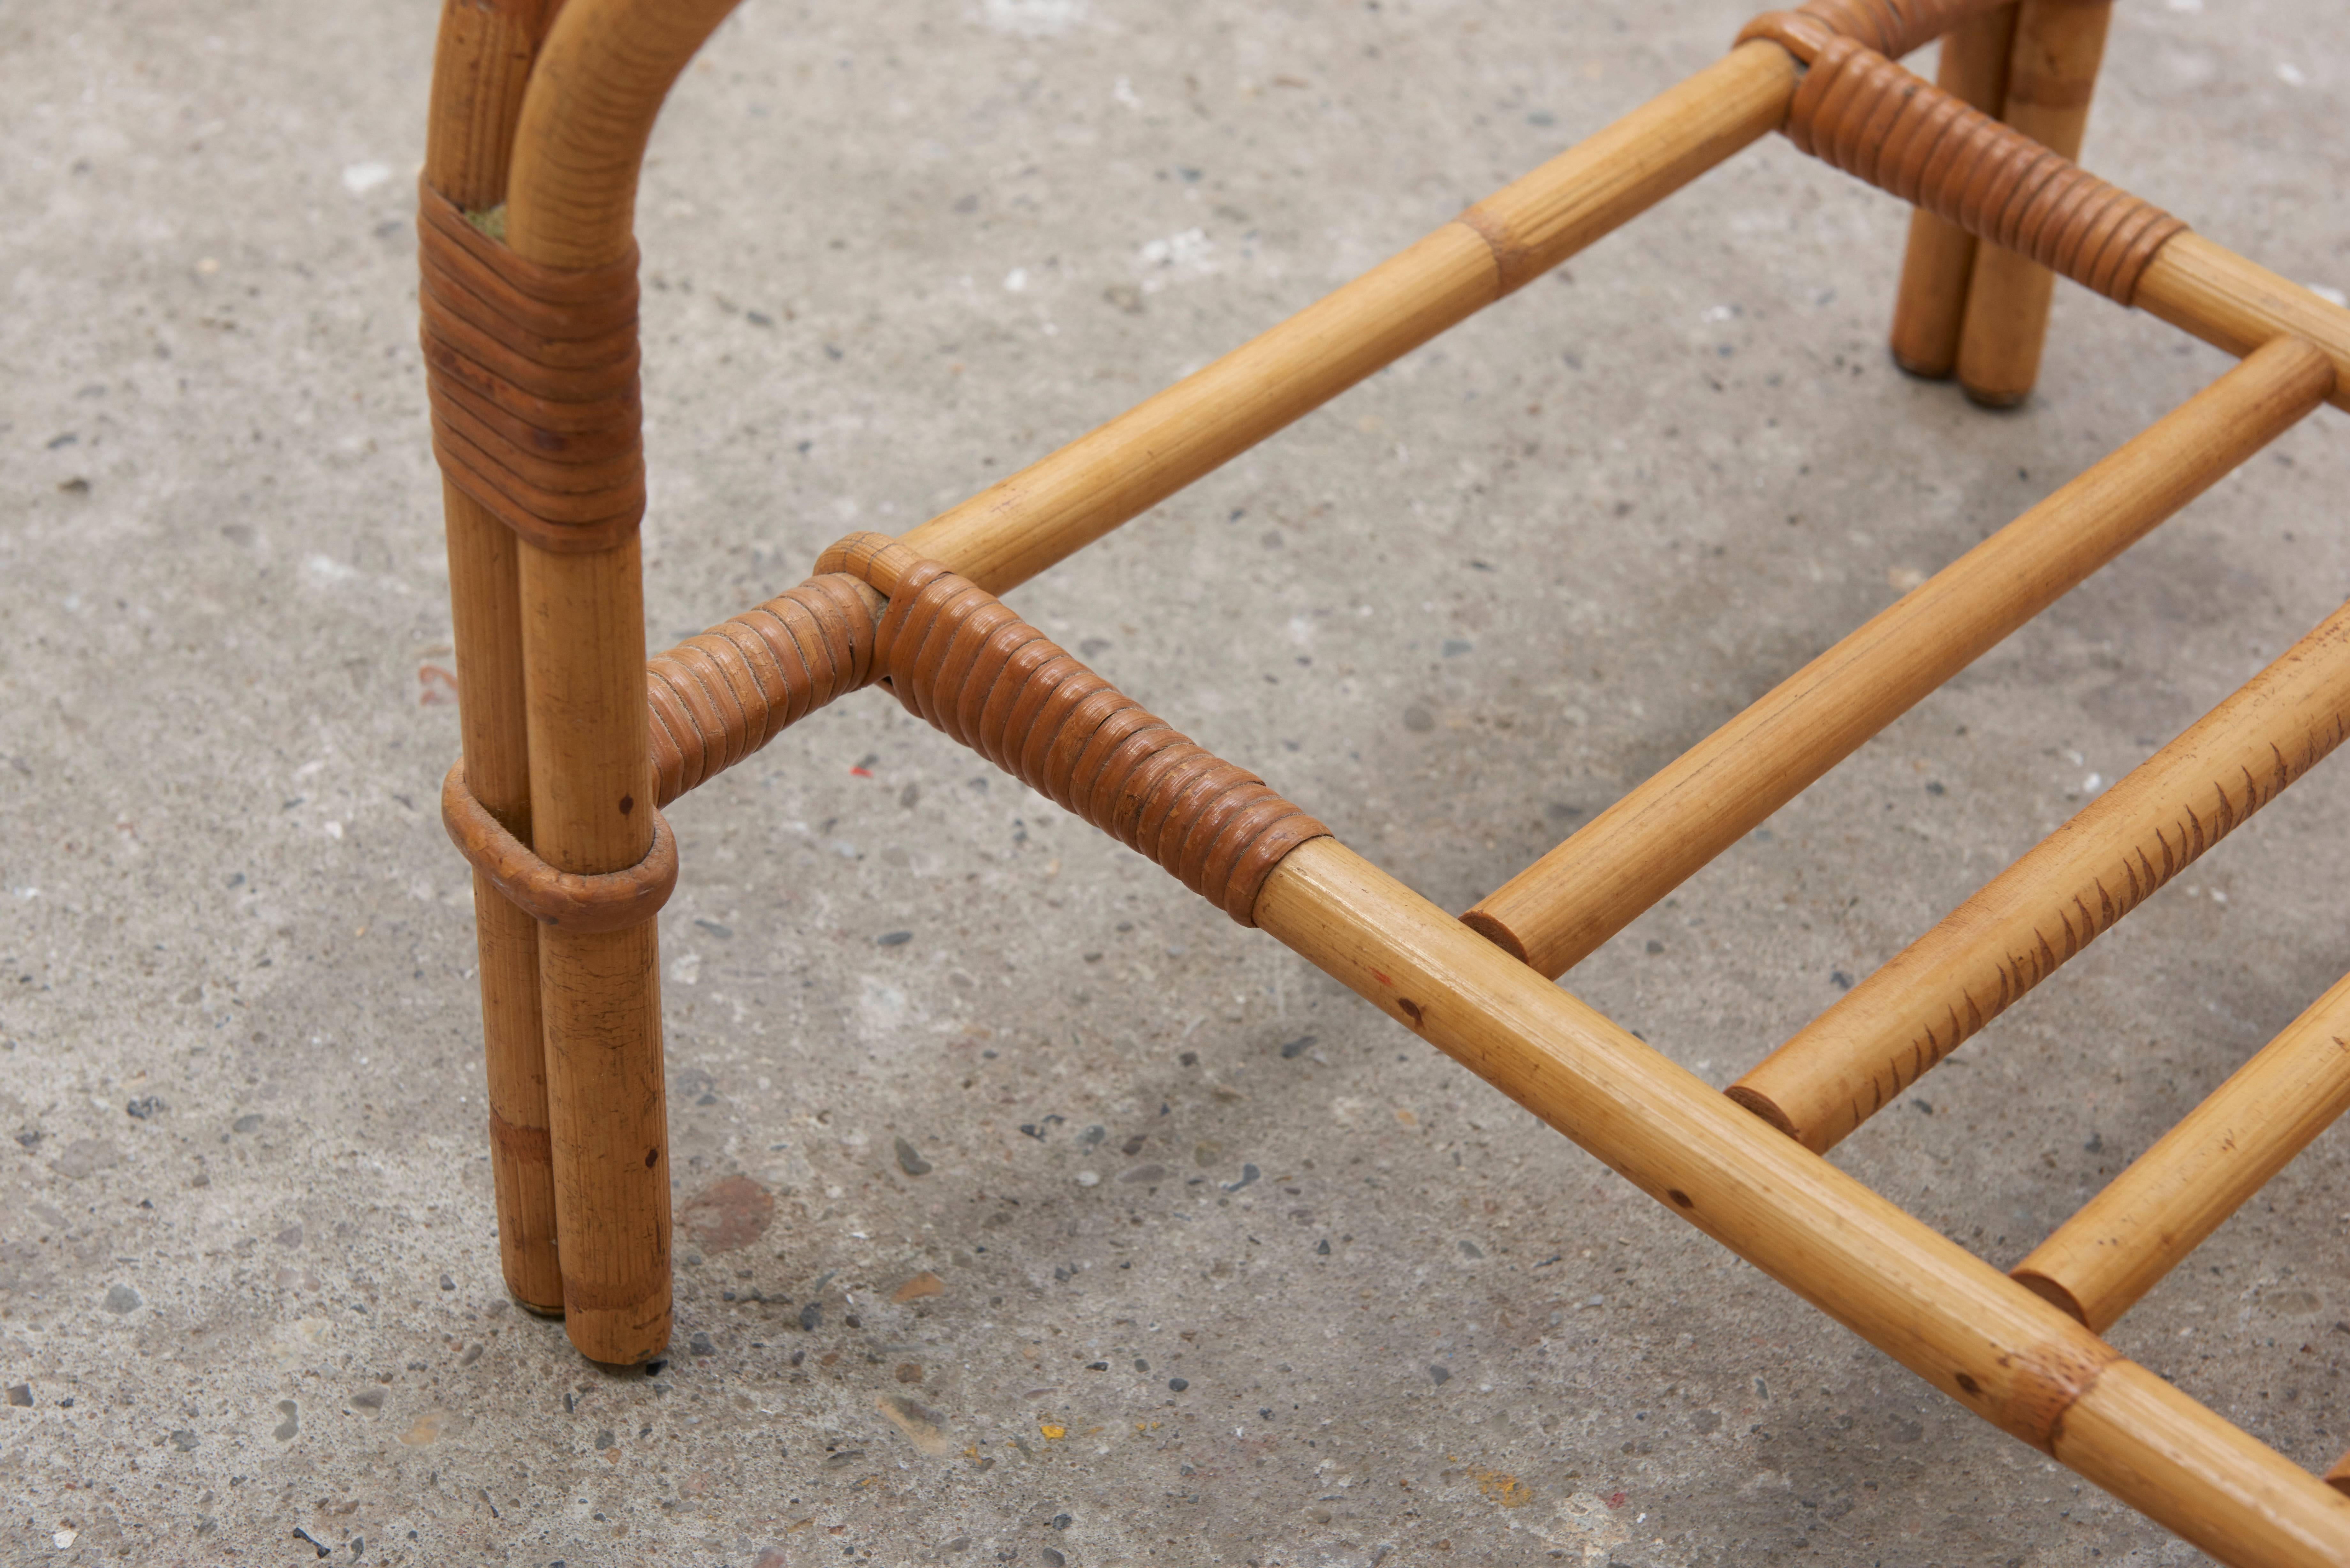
(1032, 19)
(1585, 1524)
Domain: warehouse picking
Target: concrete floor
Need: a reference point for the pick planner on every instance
(1368, 1312)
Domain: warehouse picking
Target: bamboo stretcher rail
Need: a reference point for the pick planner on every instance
(1049, 510)
(483, 59)
(2051, 72)
(2097, 1264)
(1975, 1334)
(1931, 307)
(1556, 911)
(1983, 957)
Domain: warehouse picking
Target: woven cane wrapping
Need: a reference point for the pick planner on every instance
(1894, 27)
(957, 657)
(1868, 117)
(721, 696)
(532, 377)
(576, 901)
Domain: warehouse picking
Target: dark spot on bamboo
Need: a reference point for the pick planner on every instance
(650, 1156)
(628, 804)
(1678, 1196)
(1969, 1384)
(1409, 1009)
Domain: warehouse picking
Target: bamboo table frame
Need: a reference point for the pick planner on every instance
(572, 740)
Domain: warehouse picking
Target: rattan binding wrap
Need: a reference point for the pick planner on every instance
(575, 901)
(1868, 117)
(955, 654)
(721, 696)
(1894, 27)
(532, 373)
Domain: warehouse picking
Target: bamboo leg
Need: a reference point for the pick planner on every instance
(591, 810)
(482, 60)
(1940, 257)
(1557, 911)
(2338, 1478)
(2050, 77)
(2100, 1261)
(1985, 1341)
(1894, 1027)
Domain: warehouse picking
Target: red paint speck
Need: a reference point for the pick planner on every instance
(1381, 978)
(1615, 1499)
(860, 772)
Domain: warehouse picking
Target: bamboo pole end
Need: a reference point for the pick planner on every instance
(1998, 399)
(2054, 1294)
(1934, 368)
(1763, 1105)
(623, 1337)
(1493, 931)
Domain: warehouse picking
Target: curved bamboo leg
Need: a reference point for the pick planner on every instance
(2050, 77)
(570, 202)
(481, 65)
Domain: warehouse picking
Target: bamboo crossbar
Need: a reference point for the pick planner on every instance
(2097, 1264)
(1556, 912)
(1981, 958)
(544, 107)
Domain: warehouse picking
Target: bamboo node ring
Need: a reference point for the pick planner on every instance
(610, 901)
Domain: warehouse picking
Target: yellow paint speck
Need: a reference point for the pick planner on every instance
(1505, 1491)
(1053, 1432)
